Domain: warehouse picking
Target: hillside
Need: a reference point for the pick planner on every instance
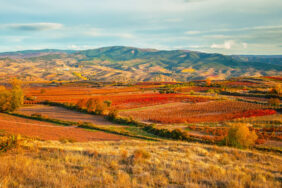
(136, 164)
(132, 64)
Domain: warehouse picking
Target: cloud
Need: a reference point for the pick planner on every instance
(230, 44)
(81, 47)
(271, 27)
(96, 32)
(226, 45)
(193, 32)
(34, 26)
(245, 45)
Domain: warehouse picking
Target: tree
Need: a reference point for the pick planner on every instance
(97, 105)
(240, 136)
(81, 103)
(11, 99)
(91, 105)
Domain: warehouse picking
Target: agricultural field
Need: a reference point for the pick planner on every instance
(50, 131)
(215, 111)
(63, 114)
(169, 105)
(130, 128)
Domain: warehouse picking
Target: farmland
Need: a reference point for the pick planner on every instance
(64, 122)
(170, 105)
(49, 131)
(199, 112)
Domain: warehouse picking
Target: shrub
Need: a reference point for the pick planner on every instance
(240, 136)
(36, 115)
(141, 154)
(9, 143)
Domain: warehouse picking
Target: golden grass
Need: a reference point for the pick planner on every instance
(136, 164)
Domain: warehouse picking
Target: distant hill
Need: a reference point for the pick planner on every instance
(270, 59)
(33, 53)
(120, 63)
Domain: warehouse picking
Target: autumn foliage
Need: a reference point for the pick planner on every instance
(11, 99)
(240, 136)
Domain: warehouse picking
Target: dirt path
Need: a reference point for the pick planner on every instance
(64, 114)
(48, 131)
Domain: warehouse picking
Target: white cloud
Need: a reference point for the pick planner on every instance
(226, 45)
(193, 32)
(96, 32)
(81, 47)
(245, 45)
(269, 27)
(34, 26)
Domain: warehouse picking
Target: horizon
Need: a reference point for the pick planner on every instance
(77, 50)
(253, 27)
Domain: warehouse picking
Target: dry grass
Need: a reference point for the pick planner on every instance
(136, 164)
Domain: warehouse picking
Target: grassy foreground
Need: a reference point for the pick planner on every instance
(36, 163)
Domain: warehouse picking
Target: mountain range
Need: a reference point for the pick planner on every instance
(119, 63)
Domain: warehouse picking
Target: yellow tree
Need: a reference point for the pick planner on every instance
(11, 99)
(240, 136)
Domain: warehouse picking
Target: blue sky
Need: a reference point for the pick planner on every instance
(221, 26)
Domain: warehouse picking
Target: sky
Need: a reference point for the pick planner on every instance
(213, 26)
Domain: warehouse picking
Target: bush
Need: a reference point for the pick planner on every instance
(9, 143)
(175, 134)
(140, 155)
(240, 136)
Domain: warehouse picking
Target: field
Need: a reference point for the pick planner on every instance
(49, 131)
(200, 112)
(137, 164)
(143, 135)
(63, 114)
(192, 104)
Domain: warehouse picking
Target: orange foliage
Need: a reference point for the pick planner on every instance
(200, 112)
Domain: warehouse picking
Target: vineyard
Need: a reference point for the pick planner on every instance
(214, 111)
(199, 110)
(49, 131)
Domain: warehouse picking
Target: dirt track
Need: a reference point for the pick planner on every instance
(48, 131)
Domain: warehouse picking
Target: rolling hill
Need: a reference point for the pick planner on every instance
(120, 63)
